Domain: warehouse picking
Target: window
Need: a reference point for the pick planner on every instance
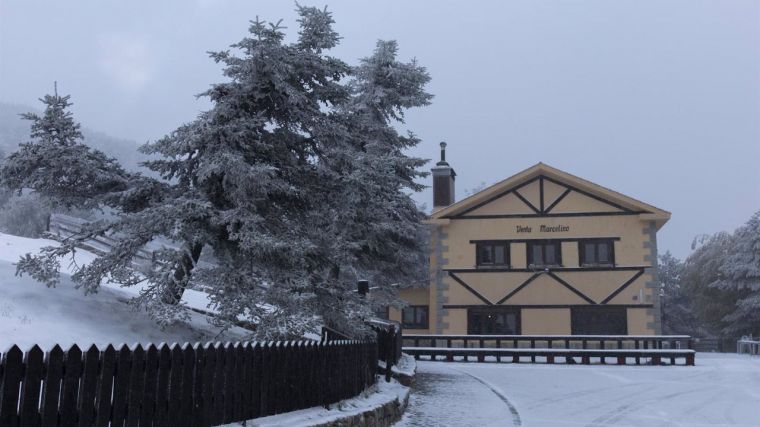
(599, 321)
(415, 317)
(544, 253)
(492, 254)
(596, 252)
(493, 321)
(382, 312)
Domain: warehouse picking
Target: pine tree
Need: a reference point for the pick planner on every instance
(374, 230)
(56, 164)
(56, 125)
(677, 311)
(740, 273)
(701, 270)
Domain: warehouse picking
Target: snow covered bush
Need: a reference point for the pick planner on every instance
(26, 215)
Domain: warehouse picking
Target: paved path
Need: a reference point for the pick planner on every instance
(444, 395)
(722, 390)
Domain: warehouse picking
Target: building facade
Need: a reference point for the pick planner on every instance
(541, 252)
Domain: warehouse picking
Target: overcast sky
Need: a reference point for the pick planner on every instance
(659, 100)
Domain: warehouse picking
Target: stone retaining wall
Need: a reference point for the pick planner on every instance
(383, 416)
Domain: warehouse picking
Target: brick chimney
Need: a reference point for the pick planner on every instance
(443, 182)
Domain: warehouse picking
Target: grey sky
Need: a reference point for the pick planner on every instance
(659, 100)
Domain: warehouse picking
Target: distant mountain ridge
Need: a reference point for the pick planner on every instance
(14, 131)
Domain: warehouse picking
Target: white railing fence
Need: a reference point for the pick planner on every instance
(746, 345)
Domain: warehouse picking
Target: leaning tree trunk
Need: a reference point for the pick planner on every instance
(173, 293)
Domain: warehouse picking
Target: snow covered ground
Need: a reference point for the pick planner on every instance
(31, 313)
(722, 390)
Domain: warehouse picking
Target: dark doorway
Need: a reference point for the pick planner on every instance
(493, 321)
(599, 321)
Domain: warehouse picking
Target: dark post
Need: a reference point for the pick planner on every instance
(690, 359)
(389, 351)
(363, 288)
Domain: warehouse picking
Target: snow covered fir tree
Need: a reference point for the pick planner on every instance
(294, 184)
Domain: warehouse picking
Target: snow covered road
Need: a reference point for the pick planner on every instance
(722, 390)
(445, 395)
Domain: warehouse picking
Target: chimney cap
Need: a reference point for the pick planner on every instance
(443, 155)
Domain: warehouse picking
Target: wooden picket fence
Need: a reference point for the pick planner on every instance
(173, 385)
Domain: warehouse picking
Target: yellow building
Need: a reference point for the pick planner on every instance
(541, 252)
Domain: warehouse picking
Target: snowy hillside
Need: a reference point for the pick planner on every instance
(31, 313)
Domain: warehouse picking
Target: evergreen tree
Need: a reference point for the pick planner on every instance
(373, 229)
(701, 270)
(57, 165)
(740, 273)
(677, 311)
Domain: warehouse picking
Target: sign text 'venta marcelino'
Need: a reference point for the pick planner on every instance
(544, 229)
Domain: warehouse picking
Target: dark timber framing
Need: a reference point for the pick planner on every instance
(465, 306)
(473, 291)
(566, 239)
(557, 269)
(559, 199)
(519, 288)
(623, 286)
(551, 273)
(571, 288)
(543, 210)
(524, 200)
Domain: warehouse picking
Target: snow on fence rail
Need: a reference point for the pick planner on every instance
(199, 385)
(65, 226)
(552, 341)
(654, 348)
(748, 346)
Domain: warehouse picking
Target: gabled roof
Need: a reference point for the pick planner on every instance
(542, 173)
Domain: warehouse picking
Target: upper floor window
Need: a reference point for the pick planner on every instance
(544, 253)
(596, 252)
(492, 254)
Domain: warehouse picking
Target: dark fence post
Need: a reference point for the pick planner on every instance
(31, 387)
(13, 368)
(136, 382)
(121, 385)
(105, 382)
(52, 386)
(186, 387)
(88, 387)
(362, 286)
(257, 382)
(150, 384)
(72, 371)
(163, 387)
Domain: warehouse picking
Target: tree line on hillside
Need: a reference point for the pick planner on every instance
(296, 180)
(716, 290)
